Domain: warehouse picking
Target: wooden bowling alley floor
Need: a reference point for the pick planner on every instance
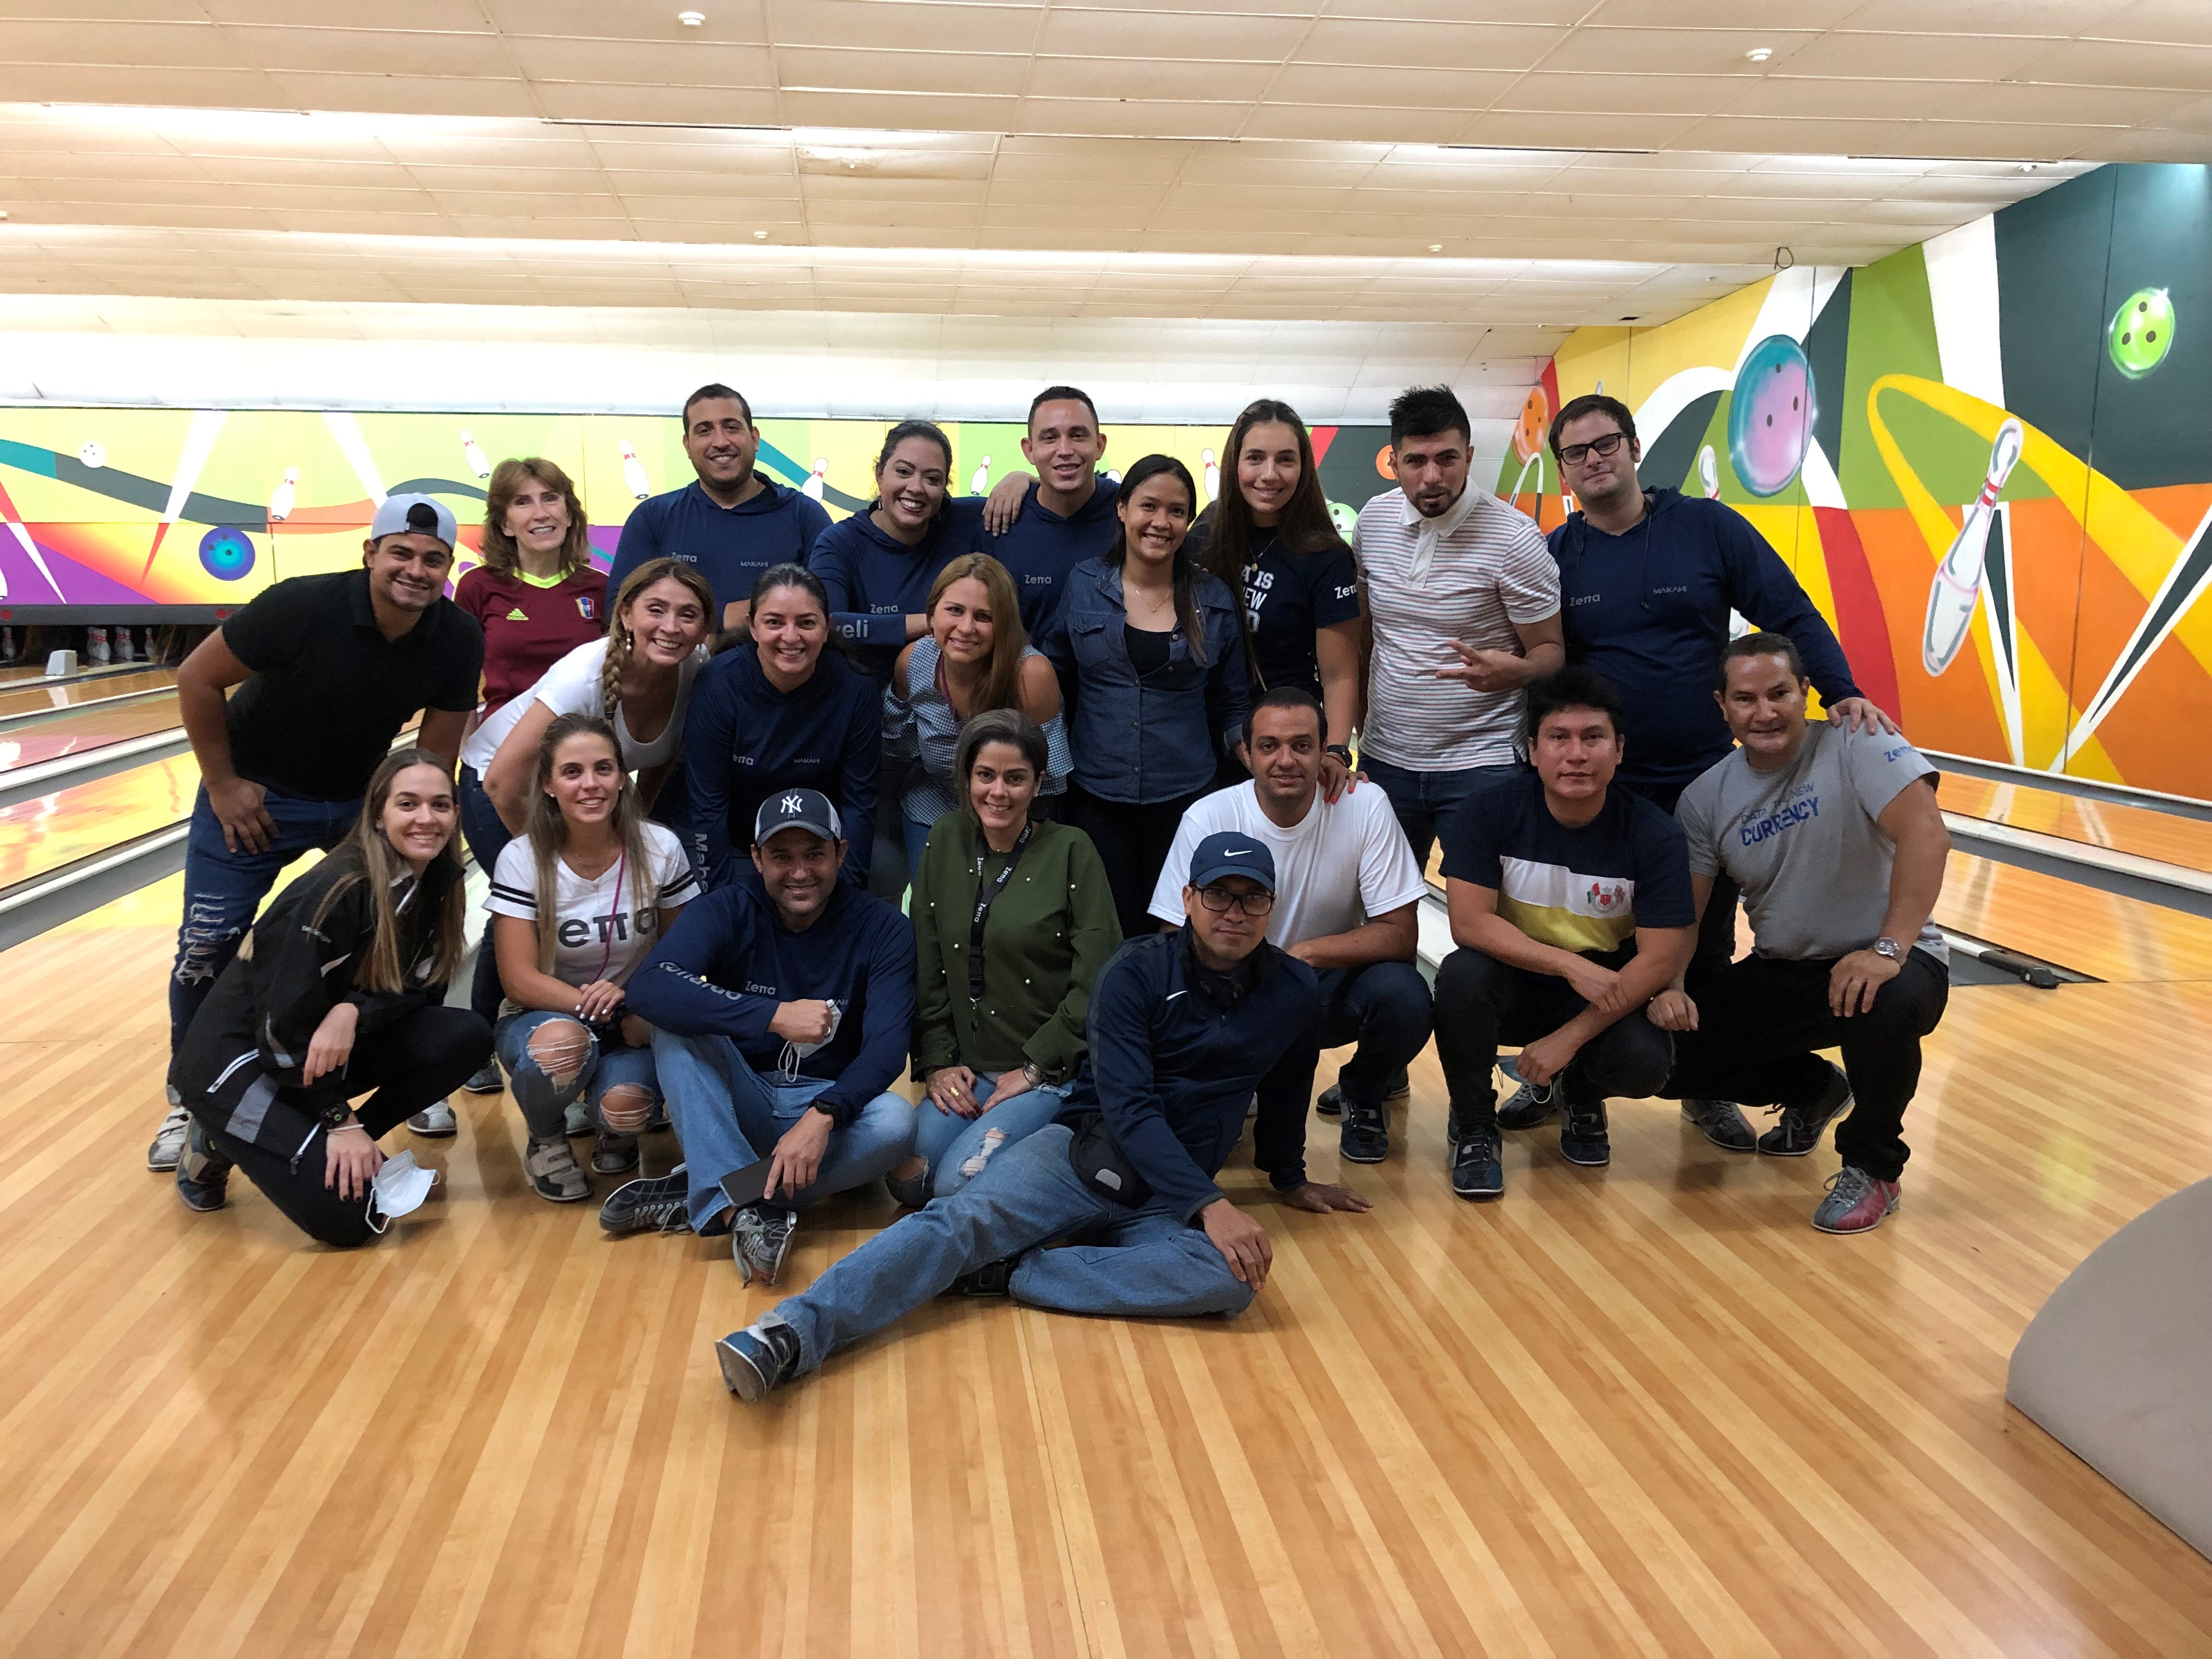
(1643, 1411)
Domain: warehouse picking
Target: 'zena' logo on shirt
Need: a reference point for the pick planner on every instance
(1604, 898)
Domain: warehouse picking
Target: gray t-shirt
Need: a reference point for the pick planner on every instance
(1802, 842)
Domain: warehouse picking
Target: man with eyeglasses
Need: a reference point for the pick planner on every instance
(1647, 580)
(1183, 1028)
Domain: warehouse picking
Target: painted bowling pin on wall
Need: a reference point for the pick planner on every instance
(1212, 475)
(633, 476)
(979, 481)
(1709, 473)
(1770, 414)
(282, 498)
(817, 480)
(474, 456)
(1958, 585)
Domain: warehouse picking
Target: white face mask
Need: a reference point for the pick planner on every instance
(397, 1188)
(794, 1052)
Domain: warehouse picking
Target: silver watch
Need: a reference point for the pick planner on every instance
(1887, 946)
(1031, 1076)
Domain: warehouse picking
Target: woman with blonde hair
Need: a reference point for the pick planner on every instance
(339, 990)
(977, 656)
(580, 898)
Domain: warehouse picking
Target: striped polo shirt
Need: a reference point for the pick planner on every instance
(1468, 575)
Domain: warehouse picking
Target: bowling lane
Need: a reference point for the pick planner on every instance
(2143, 831)
(43, 833)
(32, 700)
(85, 732)
(2103, 934)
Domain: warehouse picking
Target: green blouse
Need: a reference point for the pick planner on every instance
(1048, 933)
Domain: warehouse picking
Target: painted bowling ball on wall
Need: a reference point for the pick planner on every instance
(1345, 517)
(1528, 430)
(226, 554)
(1771, 415)
(2141, 333)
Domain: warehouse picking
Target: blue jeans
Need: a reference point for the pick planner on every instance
(1143, 1263)
(1425, 801)
(948, 1141)
(544, 1103)
(486, 834)
(728, 1116)
(1385, 1007)
(223, 890)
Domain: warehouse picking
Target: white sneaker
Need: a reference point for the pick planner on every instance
(169, 1139)
(435, 1119)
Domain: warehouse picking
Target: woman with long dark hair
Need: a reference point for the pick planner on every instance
(1269, 537)
(339, 990)
(1151, 657)
(580, 898)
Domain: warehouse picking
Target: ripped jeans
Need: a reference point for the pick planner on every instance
(223, 888)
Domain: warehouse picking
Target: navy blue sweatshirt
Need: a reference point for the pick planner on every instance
(876, 581)
(730, 545)
(1650, 611)
(1040, 548)
(729, 961)
(1171, 1068)
(743, 740)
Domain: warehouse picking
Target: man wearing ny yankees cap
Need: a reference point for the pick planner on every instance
(780, 1007)
(1183, 1028)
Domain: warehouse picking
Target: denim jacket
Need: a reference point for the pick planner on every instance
(1141, 740)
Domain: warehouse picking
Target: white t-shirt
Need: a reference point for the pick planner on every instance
(1468, 575)
(571, 686)
(598, 935)
(1340, 866)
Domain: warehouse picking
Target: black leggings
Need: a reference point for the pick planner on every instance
(1480, 999)
(1132, 841)
(422, 1059)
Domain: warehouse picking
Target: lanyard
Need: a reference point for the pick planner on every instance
(622, 861)
(985, 897)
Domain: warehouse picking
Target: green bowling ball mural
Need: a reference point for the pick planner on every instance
(2141, 333)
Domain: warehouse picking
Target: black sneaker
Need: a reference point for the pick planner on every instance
(1331, 1103)
(656, 1204)
(1530, 1105)
(486, 1079)
(1365, 1137)
(760, 1241)
(754, 1361)
(1582, 1137)
(991, 1279)
(1803, 1124)
(1722, 1122)
(203, 1173)
(1475, 1170)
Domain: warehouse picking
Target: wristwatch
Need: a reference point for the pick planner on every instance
(830, 1112)
(1342, 751)
(1031, 1076)
(1887, 946)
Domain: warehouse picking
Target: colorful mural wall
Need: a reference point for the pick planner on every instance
(1988, 458)
(132, 506)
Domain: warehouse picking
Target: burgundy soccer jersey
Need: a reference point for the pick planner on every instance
(528, 629)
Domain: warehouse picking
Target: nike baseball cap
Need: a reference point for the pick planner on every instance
(1230, 852)
(795, 809)
(420, 515)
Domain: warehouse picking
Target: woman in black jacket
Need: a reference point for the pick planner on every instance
(339, 991)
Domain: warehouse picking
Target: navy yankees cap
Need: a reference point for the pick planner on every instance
(795, 809)
(1231, 853)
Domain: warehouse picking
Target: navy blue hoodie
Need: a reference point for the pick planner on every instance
(876, 581)
(743, 740)
(730, 545)
(1040, 548)
(729, 961)
(1650, 611)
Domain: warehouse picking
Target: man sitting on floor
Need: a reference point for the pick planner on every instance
(1835, 838)
(1350, 890)
(1569, 899)
(1183, 1028)
(780, 1010)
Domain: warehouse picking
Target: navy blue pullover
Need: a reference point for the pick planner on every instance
(729, 961)
(1650, 611)
(1172, 1070)
(1040, 548)
(743, 740)
(876, 581)
(730, 545)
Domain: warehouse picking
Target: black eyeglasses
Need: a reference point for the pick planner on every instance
(1219, 899)
(1572, 454)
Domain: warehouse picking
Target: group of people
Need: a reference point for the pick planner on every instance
(1098, 809)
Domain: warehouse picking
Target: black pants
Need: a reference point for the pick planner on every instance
(423, 1058)
(1716, 946)
(1481, 1000)
(1761, 1020)
(1132, 841)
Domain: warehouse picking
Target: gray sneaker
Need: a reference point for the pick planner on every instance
(554, 1172)
(169, 1139)
(487, 1080)
(760, 1241)
(435, 1119)
(613, 1154)
(1531, 1104)
(576, 1118)
(1722, 1122)
(651, 1204)
(1803, 1122)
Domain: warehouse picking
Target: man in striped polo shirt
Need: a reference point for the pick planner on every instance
(1461, 600)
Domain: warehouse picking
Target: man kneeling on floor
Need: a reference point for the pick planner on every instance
(1835, 838)
(1183, 1028)
(780, 1011)
(1569, 899)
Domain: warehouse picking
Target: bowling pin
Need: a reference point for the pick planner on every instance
(817, 480)
(95, 646)
(282, 497)
(1709, 473)
(633, 477)
(1958, 585)
(979, 481)
(1212, 475)
(474, 456)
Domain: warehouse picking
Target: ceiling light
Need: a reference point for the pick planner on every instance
(760, 236)
(1759, 54)
(2030, 167)
(1436, 247)
(691, 19)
